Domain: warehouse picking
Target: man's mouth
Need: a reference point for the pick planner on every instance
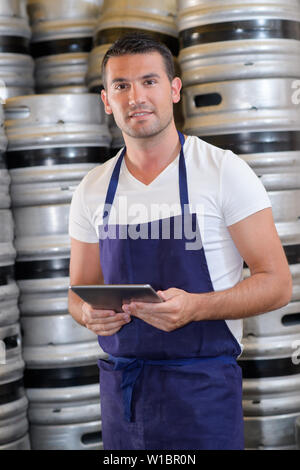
(140, 114)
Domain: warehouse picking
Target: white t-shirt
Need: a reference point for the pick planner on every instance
(222, 189)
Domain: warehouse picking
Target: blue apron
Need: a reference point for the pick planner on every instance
(166, 390)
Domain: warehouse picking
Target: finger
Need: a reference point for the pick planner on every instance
(168, 293)
(106, 329)
(109, 319)
(160, 321)
(136, 308)
(90, 313)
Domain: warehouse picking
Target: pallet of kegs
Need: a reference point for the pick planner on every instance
(13, 402)
(53, 141)
(61, 41)
(271, 357)
(16, 64)
(239, 65)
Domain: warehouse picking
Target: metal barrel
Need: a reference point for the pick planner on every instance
(13, 402)
(118, 17)
(61, 41)
(231, 110)
(232, 40)
(271, 406)
(61, 73)
(65, 418)
(16, 65)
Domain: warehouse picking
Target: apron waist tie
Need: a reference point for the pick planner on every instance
(132, 368)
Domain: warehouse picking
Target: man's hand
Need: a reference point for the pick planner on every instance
(178, 309)
(103, 322)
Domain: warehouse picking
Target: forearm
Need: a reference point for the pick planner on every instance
(75, 307)
(257, 294)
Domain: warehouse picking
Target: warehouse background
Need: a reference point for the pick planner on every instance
(240, 67)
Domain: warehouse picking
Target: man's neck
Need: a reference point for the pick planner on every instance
(147, 158)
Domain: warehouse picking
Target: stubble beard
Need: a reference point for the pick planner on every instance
(147, 131)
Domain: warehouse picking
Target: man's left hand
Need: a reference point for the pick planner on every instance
(178, 309)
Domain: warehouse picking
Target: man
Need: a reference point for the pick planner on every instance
(171, 380)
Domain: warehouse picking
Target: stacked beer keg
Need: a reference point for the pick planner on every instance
(16, 65)
(61, 41)
(240, 64)
(13, 402)
(118, 18)
(53, 140)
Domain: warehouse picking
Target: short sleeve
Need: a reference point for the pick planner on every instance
(241, 191)
(80, 225)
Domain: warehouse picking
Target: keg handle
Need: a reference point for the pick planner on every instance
(207, 99)
(12, 342)
(16, 112)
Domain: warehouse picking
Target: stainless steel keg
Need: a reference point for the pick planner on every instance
(271, 407)
(13, 402)
(16, 65)
(61, 41)
(240, 106)
(65, 418)
(234, 40)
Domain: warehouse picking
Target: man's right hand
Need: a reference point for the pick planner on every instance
(103, 322)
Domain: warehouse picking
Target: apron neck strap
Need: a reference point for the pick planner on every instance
(183, 186)
(113, 184)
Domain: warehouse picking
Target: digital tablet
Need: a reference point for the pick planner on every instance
(113, 296)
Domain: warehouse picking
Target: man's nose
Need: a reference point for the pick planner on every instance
(136, 95)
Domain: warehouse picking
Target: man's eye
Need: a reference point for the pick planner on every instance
(121, 86)
(150, 82)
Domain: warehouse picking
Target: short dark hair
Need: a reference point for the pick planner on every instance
(139, 43)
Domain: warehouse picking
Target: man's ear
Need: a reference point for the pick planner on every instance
(176, 87)
(107, 107)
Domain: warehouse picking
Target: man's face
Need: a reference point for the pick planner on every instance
(139, 93)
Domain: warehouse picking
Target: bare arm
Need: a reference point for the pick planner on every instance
(268, 288)
(85, 269)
